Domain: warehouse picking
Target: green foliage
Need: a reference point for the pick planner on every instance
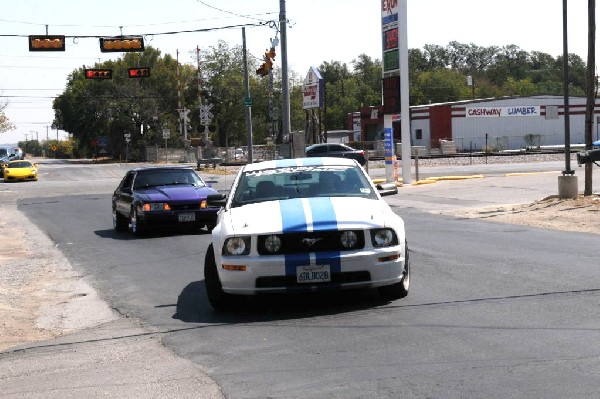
(5, 124)
(440, 85)
(142, 108)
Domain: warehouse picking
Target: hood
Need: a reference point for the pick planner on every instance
(179, 193)
(307, 214)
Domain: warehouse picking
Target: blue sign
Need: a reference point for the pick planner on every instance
(388, 140)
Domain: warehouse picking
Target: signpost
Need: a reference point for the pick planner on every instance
(313, 99)
(395, 85)
(166, 134)
(127, 140)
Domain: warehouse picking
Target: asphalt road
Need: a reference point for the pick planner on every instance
(494, 310)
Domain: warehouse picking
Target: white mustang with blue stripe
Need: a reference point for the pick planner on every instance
(304, 224)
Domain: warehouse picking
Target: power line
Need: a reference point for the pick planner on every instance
(250, 16)
(230, 12)
(156, 33)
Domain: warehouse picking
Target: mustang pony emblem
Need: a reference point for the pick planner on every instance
(309, 242)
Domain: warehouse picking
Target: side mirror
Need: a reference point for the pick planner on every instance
(216, 200)
(588, 156)
(387, 189)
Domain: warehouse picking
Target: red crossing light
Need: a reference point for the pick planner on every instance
(97, 73)
(139, 72)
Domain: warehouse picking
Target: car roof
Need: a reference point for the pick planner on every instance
(328, 144)
(287, 163)
(172, 167)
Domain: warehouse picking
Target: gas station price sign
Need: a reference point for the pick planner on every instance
(390, 39)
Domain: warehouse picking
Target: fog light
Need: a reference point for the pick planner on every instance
(273, 244)
(348, 239)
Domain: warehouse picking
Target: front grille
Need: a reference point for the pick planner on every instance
(318, 241)
(185, 207)
(290, 281)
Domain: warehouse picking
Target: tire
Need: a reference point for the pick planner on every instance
(137, 226)
(400, 289)
(120, 222)
(218, 299)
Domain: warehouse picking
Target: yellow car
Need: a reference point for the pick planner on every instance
(20, 170)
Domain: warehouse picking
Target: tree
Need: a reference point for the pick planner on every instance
(114, 107)
(441, 85)
(5, 124)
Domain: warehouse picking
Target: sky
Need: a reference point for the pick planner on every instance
(318, 31)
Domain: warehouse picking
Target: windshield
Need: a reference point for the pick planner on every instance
(165, 177)
(20, 164)
(301, 182)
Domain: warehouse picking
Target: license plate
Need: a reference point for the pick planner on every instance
(187, 217)
(313, 274)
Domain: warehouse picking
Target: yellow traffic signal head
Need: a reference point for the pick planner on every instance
(261, 70)
(265, 68)
(268, 64)
(121, 44)
(47, 43)
(97, 73)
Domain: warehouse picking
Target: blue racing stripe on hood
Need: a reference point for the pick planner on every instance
(323, 214)
(293, 218)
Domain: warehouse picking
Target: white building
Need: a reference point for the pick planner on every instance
(508, 123)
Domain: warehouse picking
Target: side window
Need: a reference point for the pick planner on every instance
(319, 150)
(127, 180)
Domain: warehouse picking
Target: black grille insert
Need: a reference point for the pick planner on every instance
(318, 241)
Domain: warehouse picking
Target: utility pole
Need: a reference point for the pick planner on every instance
(567, 182)
(248, 102)
(285, 84)
(590, 93)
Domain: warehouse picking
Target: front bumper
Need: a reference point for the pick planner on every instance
(19, 178)
(368, 268)
(172, 218)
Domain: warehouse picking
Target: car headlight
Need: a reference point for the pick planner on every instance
(237, 246)
(383, 237)
(348, 239)
(272, 243)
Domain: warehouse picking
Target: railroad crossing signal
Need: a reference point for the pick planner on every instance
(139, 72)
(47, 43)
(205, 114)
(97, 73)
(183, 114)
(121, 44)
